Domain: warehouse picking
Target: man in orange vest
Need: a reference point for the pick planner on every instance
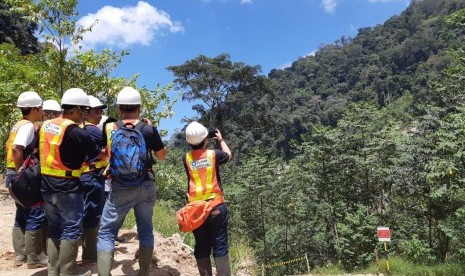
(27, 230)
(202, 167)
(93, 183)
(124, 194)
(63, 147)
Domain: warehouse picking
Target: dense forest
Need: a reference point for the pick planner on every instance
(367, 132)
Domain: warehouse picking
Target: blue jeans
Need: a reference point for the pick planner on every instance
(118, 204)
(94, 199)
(64, 215)
(213, 235)
(28, 219)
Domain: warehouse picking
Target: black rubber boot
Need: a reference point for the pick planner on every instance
(19, 246)
(89, 245)
(34, 249)
(145, 260)
(205, 266)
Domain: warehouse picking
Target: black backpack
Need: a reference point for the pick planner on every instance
(25, 187)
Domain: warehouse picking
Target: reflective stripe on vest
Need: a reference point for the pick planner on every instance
(110, 128)
(51, 137)
(9, 143)
(102, 163)
(203, 183)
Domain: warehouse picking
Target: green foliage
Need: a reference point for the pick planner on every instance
(17, 30)
(171, 178)
(356, 242)
(417, 251)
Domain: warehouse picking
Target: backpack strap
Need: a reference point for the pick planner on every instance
(119, 124)
(139, 126)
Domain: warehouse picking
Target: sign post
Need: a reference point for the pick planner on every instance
(384, 235)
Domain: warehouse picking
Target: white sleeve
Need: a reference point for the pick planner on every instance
(25, 135)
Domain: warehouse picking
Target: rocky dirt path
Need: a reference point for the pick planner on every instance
(171, 256)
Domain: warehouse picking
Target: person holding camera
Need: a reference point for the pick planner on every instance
(204, 183)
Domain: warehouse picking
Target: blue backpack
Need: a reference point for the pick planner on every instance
(130, 159)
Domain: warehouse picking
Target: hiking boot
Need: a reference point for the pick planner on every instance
(34, 249)
(222, 266)
(89, 245)
(19, 246)
(205, 266)
(145, 260)
(104, 262)
(67, 259)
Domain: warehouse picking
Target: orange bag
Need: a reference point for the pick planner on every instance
(193, 215)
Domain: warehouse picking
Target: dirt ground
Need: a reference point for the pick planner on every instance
(171, 256)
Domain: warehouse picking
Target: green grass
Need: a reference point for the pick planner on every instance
(242, 256)
(401, 267)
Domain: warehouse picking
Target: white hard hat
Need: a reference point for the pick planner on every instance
(51, 105)
(75, 96)
(195, 133)
(29, 99)
(128, 96)
(94, 103)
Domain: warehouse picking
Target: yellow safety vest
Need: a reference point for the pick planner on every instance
(10, 164)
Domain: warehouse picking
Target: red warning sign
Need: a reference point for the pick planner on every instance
(384, 234)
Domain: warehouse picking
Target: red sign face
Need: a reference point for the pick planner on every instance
(384, 234)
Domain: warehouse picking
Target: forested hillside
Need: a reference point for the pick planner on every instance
(379, 65)
(366, 132)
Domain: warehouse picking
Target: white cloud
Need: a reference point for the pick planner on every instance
(244, 2)
(289, 64)
(329, 5)
(128, 25)
(285, 65)
(312, 53)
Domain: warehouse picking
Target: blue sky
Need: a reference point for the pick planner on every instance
(269, 33)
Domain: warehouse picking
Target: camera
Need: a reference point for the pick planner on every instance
(212, 133)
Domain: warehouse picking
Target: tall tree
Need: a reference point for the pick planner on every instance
(209, 82)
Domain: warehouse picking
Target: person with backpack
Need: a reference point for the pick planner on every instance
(22, 142)
(63, 147)
(93, 183)
(204, 184)
(130, 143)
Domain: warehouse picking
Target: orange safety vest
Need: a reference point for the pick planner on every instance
(88, 167)
(10, 164)
(51, 137)
(203, 183)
